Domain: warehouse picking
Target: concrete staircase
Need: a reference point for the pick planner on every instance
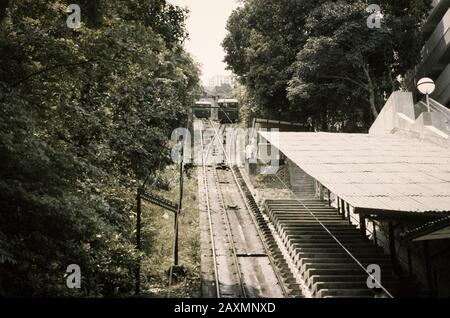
(327, 269)
(292, 288)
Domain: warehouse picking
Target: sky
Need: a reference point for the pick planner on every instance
(206, 26)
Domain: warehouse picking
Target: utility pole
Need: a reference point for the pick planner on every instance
(180, 203)
(138, 241)
(166, 204)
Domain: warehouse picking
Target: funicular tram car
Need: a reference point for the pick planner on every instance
(228, 110)
(202, 109)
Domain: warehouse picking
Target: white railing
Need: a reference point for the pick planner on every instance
(437, 107)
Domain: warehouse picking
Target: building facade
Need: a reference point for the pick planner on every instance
(436, 52)
(219, 80)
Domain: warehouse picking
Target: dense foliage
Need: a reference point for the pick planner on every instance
(319, 62)
(85, 116)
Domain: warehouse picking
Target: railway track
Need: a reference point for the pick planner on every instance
(242, 256)
(291, 249)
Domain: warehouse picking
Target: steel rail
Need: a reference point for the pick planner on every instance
(244, 198)
(208, 207)
(227, 223)
(230, 236)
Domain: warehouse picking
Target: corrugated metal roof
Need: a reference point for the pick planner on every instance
(436, 229)
(389, 172)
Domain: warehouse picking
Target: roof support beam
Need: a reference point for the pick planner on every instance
(348, 213)
(400, 215)
(392, 249)
(426, 254)
(375, 239)
(362, 225)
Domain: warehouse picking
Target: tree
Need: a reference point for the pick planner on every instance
(343, 57)
(263, 39)
(224, 90)
(85, 116)
(319, 60)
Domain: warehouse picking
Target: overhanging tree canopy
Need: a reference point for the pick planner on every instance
(85, 115)
(319, 60)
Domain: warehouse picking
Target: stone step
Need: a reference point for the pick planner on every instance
(347, 293)
(325, 220)
(333, 281)
(350, 271)
(303, 210)
(299, 241)
(346, 297)
(360, 255)
(322, 230)
(355, 250)
(324, 240)
(332, 263)
(300, 218)
(293, 202)
(302, 215)
(305, 192)
(327, 268)
(289, 280)
(320, 245)
(337, 278)
(299, 207)
(347, 235)
(317, 226)
(313, 222)
(302, 204)
(337, 233)
(292, 230)
(305, 215)
(303, 218)
(341, 264)
(316, 287)
(348, 245)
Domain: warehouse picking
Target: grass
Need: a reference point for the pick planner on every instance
(272, 181)
(269, 187)
(158, 238)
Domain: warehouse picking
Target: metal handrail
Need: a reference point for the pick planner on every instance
(382, 242)
(437, 107)
(386, 243)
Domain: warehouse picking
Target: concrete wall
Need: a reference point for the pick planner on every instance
(442, 93)
(435, 53)
(439, 257)
(398, 117)
(397, 113)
